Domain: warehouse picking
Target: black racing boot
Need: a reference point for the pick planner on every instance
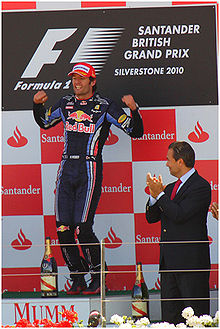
(94, 287)
(78, 285)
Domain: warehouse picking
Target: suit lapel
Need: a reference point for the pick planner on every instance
(186, 185)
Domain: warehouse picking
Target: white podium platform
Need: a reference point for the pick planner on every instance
(31, 307)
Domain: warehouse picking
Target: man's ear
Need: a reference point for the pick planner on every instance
(180, 162)
(93, 83)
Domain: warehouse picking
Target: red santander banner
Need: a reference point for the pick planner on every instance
(117, 191)
(147, 238)
(159, 133)
(21, 190)
(52, 143)
(209, 170)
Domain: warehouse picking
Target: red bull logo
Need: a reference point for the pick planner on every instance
(79, 116)
(80, 127)
(63, 228)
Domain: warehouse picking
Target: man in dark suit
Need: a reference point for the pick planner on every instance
(184, 247)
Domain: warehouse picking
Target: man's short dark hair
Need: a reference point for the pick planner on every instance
(183, 150)
(95, 86)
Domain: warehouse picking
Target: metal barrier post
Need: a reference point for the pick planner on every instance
(103, 305)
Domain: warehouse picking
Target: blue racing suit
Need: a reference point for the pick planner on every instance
(79, 178)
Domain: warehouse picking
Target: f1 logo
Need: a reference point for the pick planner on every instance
(46, 55)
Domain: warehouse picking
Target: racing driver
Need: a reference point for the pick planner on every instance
(87, 118)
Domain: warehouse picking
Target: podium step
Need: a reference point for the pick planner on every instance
(31, 306)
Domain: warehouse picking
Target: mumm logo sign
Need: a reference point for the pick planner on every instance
(32, 312)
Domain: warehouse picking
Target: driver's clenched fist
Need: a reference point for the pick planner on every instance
(40, 97)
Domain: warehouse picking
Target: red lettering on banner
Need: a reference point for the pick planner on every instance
(33, 312)
(52, 314)
(25, 314)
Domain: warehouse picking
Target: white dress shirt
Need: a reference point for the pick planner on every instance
(183, 180)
